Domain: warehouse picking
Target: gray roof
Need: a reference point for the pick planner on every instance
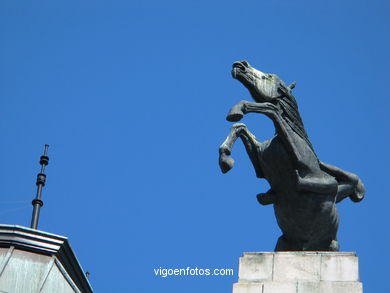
(37, 261)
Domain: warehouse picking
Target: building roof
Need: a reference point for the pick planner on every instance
(46, 260)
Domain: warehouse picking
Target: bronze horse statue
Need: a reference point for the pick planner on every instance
(304, 191)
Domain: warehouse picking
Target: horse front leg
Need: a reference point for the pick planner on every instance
(253, 149)
(271, 111)
(237, 112)
(252, 146)
(225, 162)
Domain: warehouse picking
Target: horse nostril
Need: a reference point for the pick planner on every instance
(245, 63)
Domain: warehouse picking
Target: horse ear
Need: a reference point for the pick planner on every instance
(291, 86)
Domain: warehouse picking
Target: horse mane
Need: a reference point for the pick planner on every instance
(290, 114)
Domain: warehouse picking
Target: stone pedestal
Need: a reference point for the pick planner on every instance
(298, 272)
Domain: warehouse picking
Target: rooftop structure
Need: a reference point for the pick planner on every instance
(37, 261)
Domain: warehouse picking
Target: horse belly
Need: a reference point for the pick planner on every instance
(277, 165)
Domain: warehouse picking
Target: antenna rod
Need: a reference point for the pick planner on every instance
(41, 179)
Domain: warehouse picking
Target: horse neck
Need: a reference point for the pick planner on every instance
(291, 115)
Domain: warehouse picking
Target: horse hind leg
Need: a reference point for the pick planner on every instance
(285, 244)
(355, 191)
(349, 184)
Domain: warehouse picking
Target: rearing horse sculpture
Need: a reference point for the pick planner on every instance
(304, 190)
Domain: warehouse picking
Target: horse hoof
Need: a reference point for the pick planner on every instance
(358, 195)
(234, 117)
(226, 164)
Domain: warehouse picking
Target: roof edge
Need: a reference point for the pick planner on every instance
(42, 242)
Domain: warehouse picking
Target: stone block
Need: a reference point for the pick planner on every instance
(329, 287)
(297, 266)
(248, 287)
(256, 267)
(308, 287)
(342, 267)
(341, 287)
(280, 287)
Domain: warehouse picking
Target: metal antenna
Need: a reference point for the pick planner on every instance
(41, 179)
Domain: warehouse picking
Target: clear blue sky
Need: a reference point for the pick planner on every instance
(132, 98)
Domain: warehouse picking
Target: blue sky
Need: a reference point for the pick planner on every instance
(132, 96)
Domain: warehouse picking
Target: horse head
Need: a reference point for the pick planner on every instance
(263, 87)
